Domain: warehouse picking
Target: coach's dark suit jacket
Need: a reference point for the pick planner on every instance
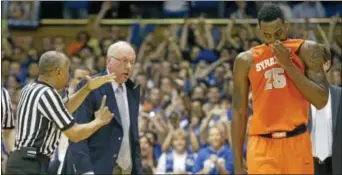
(98, 153)
(337, 128)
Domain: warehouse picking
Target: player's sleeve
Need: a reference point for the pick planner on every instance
(7, 113)
(52, 107)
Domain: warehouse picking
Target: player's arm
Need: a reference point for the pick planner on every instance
(240, 107)
(313, 85)
(77, 98)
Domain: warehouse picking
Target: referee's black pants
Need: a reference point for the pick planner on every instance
(18, 164)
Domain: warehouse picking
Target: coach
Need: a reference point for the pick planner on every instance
(325, 127)
(41, 116)
(114, 149)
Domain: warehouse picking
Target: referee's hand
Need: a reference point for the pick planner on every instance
(103, 115)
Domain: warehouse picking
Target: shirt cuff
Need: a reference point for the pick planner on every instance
(71, 124)
(89, 172)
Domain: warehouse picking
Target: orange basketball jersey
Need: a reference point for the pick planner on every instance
(277, 104)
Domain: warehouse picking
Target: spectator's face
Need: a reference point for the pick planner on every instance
(155, 96)
(230, 87)
(272, 31)
(59, 44)
(121, 64)
(137, 68)
(114, 32)
(166, 85)
(15, 68)
(215, 138)
(17, 54)
(213, 95)
(33, 53)
(145, 147)
(225, 53)
(101, 63)
(5, 67)
(194, 52)
(184, 65)
(196, 108)
(183, 74)
(106, 44)
(83, 38)
(243, 34)
(141, 79)
(219, 73)
(165, 68)
(47, 43)
(336, 74)
(33, 70)
(179, 143)
(80, 74)
(12, 82)
(85, 53)
(90, 63)
(198, 93)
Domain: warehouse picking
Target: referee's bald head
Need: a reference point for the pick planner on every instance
(50, 61)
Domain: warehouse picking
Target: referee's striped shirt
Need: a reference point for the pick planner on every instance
(41, 118)
(7, 118)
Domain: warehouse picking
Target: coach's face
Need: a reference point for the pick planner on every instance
(122, 64)
(273, 30)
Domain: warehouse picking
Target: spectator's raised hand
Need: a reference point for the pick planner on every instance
(94, 83)
(106, 5)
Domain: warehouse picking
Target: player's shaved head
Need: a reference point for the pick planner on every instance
(51, 60)
(118, 48)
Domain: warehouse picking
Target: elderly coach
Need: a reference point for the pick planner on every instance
(41, 116)
(114, 149)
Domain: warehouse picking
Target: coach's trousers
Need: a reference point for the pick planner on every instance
(18, 165)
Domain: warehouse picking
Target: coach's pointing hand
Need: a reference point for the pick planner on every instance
(94, 83)
(103, 115)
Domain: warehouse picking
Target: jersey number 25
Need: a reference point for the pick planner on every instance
(275, 78)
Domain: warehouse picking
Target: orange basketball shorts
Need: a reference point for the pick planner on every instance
(291, 155)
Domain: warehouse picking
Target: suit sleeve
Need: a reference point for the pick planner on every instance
(81, 161)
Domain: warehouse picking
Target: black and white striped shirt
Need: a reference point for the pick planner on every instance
(7, 118)
(41, 118)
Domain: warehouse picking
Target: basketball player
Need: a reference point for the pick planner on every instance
(285, 75)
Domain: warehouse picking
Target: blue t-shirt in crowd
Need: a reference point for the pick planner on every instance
(204, 155)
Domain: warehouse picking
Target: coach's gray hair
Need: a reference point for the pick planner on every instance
(121, 46)
(49, 61)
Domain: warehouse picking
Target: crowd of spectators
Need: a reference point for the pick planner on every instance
(185, 78)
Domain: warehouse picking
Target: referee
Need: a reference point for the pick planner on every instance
(7, 120)
(7, 124)
(42, 116)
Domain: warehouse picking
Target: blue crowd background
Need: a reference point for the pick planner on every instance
(185, 74)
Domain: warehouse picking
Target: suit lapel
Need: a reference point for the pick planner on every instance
(334, 104)
(107, 89)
